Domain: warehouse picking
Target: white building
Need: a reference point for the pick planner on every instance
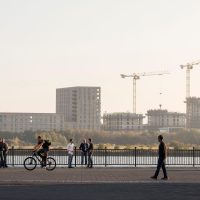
(20, 122)
(122, 121)
(81, 107)
(159, 119)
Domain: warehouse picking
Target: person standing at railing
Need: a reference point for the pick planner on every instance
(84, 149)
(162, 152)
(1, 153)
(90, 152)
(70, 151)
(5, 151)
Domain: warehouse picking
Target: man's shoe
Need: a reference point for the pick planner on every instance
(165, 178)
(153, 177)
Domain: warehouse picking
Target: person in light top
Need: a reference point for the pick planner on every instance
(70, 152)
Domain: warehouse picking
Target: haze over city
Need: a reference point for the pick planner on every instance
(52, 44)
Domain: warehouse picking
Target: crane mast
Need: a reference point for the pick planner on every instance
(136, 76)
(189, 67)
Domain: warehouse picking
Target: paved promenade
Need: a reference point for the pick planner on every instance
(95, 175)
(99, 184)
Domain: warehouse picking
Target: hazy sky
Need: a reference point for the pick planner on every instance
(48, 44)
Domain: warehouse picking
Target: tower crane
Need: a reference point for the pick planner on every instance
(189, 66)
(136, 76)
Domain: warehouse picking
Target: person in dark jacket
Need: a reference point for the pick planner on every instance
(5, 152)
(90, 152)
(162, 153)
(1, 153)
(84, 149)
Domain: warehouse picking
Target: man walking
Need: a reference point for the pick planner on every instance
(84, 148)
(70, 151)
(161, 160)
(90, 152)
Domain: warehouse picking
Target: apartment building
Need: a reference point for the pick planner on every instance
(81, 107)
(193, 112)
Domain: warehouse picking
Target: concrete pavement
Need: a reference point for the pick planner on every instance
(79, 175)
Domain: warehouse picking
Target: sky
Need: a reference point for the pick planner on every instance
(49, 44)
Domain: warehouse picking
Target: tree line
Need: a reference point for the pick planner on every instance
(179, 139)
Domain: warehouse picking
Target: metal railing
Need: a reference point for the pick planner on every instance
(114, 157)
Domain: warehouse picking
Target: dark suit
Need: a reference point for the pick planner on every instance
(84, 150)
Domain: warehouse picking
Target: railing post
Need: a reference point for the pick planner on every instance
(193, 155)
(105, 156)
(75, 156)
(135, 155)
(13, 156)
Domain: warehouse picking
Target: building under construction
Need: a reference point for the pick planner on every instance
(122, 121)
(193, 112)
(162, 119)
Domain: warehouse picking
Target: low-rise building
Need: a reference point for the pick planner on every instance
(122, 121)
(20, 122)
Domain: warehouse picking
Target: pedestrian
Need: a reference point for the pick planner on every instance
(70, 151)
(1, 153)
(162, 152)
(90, 152)
(84, 149)
(5, 152)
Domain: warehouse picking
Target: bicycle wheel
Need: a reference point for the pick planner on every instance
(51, 164)
(30, 163)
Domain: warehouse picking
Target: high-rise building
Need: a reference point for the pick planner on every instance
(122, 121)
(81, 107)
(20, 122)
(193, 112)
(158, 119)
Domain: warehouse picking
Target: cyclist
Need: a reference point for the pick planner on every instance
(42, 149)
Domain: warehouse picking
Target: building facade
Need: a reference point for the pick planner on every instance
(20, 122)
(122, 121)
(158, 119)
(81, 107)
(193, 112)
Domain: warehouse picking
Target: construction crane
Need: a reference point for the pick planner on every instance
(189, 66)
(137, 77)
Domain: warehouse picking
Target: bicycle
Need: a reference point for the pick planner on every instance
(31, 162)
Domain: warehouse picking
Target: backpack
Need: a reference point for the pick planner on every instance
(47, 142)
